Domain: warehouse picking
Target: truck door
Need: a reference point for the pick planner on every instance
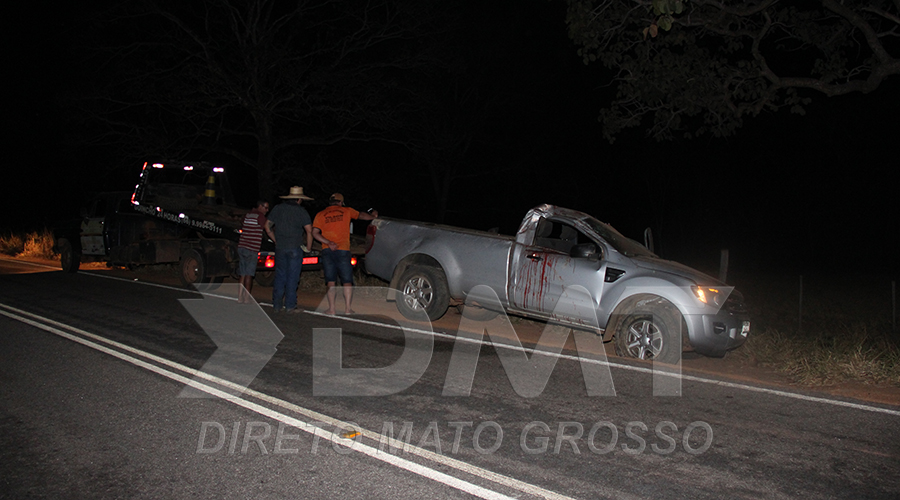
(544, 272)
(92, 228)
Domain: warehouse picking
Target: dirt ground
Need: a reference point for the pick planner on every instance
(732, 367)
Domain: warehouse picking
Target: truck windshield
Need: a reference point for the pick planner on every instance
(196, 177)
(623, 245)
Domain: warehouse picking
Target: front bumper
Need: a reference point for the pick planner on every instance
(715, 334)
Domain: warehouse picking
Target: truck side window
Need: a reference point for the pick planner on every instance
(542, 233)
(558, 236)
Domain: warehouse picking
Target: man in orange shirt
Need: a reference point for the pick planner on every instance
(331, 227)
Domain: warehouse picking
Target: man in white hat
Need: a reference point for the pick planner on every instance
(289, 220)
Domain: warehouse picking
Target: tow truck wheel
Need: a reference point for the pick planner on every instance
(69, 259)
(425, 289)
(651, 333)
(193, 269)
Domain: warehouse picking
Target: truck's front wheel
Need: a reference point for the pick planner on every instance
(651, 334)
(425, 289)
(69, 259)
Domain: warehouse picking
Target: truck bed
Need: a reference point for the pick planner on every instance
(468, 256)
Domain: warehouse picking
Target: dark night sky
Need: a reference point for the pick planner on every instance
(789, 191)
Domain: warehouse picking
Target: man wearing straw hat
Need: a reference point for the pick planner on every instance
(288, 221)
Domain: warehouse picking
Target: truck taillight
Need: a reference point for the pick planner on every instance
(267, 260)
(370, 237)
(353, 261)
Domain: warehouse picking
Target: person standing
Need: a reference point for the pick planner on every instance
(248, 248)
(288, 221)
(331, 227)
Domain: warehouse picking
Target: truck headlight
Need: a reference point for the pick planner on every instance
(708, 295)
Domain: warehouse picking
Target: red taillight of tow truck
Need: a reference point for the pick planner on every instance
(267, 260)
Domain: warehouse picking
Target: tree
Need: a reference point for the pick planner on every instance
(442, 134)
(254, 79)
(693, 67)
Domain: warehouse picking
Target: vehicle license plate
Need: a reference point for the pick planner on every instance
(746, 329)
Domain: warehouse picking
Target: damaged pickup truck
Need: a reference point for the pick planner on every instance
(560, 263)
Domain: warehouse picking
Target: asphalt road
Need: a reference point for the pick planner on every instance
(95, 403)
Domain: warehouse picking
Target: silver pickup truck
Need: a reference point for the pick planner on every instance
(652, 307)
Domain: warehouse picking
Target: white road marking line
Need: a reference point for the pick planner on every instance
(692, 378)
(35, 264)
(473, 489)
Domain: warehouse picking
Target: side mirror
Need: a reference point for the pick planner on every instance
(585, 251)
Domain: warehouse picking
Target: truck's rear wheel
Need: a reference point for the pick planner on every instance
(423, 288)
(193, 269)
(69, 259)
(652, 333)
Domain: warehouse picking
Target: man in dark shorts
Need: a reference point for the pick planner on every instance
(332, 228)
(248, 247)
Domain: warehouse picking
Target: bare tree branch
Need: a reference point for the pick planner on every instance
(701, 66)
(253, 79)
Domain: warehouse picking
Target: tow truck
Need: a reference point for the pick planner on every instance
(180, 213)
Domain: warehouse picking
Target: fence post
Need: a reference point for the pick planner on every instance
(723, 265)
(800, 308)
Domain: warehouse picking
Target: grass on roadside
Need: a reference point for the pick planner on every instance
(845, 334)
(849, 352)
(36, 244)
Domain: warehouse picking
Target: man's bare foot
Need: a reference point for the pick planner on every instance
(330, 312)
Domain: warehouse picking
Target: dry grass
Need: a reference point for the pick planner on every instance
(36, 244)
(845, 353)
(845, 334)
(11, 244)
